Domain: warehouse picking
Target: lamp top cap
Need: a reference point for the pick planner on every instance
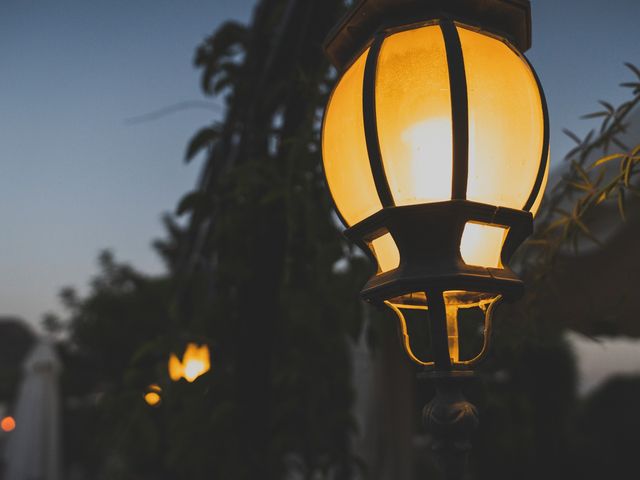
(507, 18)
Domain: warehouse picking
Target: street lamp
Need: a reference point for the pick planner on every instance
(195, 362)
(153, 395)
(435, 145)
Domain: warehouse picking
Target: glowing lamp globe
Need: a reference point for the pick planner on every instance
(153, 395)
(195, 362)
(435, 146)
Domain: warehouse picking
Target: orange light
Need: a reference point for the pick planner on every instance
(152, 398)
(414, 131)
(8, 424)
(195, 362)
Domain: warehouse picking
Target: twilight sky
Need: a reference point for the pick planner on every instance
(76, 178)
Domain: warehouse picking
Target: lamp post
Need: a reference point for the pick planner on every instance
(435, 146)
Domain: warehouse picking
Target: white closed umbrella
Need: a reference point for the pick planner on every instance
(33, 448)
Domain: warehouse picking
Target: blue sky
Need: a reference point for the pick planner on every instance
(76, 178)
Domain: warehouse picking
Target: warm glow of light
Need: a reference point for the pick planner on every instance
(430, 146)
(193, 369)
(344, 148)
(195, 362)
(399, 308)
(452, 332)
(8, 424)
(152, 398)
(481, 244)
(454, 301)
(386, 252)
(506, 122)
(415, 135)
(413, 109)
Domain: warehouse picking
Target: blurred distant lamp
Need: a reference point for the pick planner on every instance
(195, 362)
(153, 395)
(8, 424)
(435, 145)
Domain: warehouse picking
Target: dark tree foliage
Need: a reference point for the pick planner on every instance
(256, 271)
(118, 333)
(252, 275)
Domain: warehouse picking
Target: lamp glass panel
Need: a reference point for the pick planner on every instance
(413, 111)
(468, 318)
(481, 244)
(414, 318)
(467, 314)
(386, 252)
(344, 149)
(506, 122)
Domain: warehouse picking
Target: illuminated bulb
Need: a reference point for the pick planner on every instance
(431, 153)
(193, 369)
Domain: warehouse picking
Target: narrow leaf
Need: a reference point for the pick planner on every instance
(580, 186)
(633, 68)
(606, 159)
(620, 144)
(607, 105)
(572, 136)
(595, 115)
(190, 202)
(583, 228)
(201, 140)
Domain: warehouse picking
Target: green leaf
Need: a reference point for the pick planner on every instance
(595, 115)
(601, 198)
(606, 159)
(201, 140)
(580, 186)
(627, 169)
(633, 68)
(607, 105)
(191, 201)
(587, 233)
(619, 143)
(581, 172)
(572, 136)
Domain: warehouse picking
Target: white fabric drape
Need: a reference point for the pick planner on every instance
(33, 448)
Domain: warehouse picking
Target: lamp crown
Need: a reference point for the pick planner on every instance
(510, 19)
